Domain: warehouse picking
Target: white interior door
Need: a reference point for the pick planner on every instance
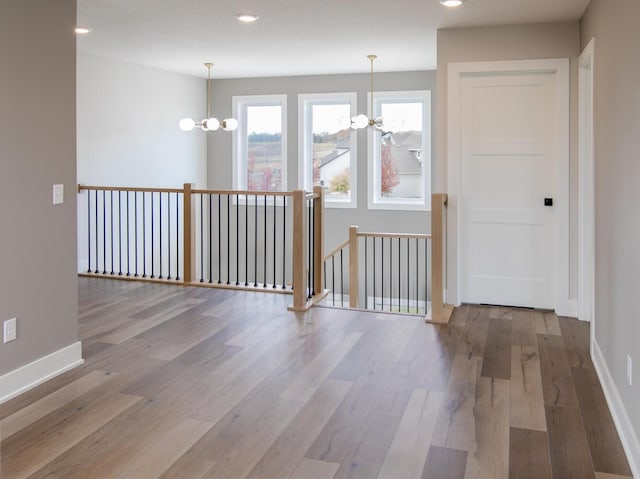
(508, 152)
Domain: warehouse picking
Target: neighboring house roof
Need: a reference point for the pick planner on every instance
(406, 149)
(333, 155)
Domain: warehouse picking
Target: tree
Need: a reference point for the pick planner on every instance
(341, 182)
(267, 174)
(389, 177)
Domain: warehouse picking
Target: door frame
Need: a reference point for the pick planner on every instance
(559, 67)
(586, 188)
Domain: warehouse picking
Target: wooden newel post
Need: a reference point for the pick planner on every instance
(189, 237)
(353, 267)
(299, 245)
(438, 202)
(318, 240)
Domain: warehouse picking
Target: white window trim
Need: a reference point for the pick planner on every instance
(373, 135)
(239, 104)
(305, 144)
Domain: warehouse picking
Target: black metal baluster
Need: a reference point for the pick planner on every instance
(382, 272)
(144, 235)
(160, 233)
(426, 269)
(153, 246)
(88, 231)
(255, 241)
(96, 208)
(275, 199)
(390, 274)
(312, 255)
(219, 239)
(375, 278)
(168, 235)
(246, 239)
(111, 218)
(284, 240)
(201, 238)
(342, 280)
(308, 250)
(135, 229)
(366, 277)
(333, 278)
(210, 242)
(119, 232)
(104, 232)
(264, 257)
(228, 240)
(177, 236)
(399, 273)
(237, 239)
(128, 240)
(408, 287)
(324, 263)
(417, 278)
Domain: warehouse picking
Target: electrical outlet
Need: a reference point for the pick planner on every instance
(58, 194)
(629, 370)
(10, 330)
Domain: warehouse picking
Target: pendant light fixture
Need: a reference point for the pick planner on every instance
(362, 121)
(210, 123)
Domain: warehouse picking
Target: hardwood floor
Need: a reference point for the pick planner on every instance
(199, 383)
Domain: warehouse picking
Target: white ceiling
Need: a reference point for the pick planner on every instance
(292, 37)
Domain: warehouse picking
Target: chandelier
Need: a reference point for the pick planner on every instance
(210, 123)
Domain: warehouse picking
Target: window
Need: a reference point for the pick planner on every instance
(260, 144)
(400, 154)
(328, 146)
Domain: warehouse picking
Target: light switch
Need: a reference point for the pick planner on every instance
(58, 194)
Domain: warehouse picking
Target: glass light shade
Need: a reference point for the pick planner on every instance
(229, 124)
(187, 124)
(451, 3)
(360, 121)
(344, 123)
(212, 124)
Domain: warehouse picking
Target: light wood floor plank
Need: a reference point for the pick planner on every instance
(164, 450)
(314, 469)
(281, 459)
(547, 323)
(455, 427)
(396, 341)
(410, 446)
(604, 475)
(30, 414)
(50, 444)
(444, 463)
(529, 454)
(527, 400)
(312, 376)
(489, 456)
(238, 388)
(239, 460)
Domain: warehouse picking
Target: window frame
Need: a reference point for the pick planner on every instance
(376, 201)
(239, 157)
(306, 101)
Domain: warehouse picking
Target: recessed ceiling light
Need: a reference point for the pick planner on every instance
(247, 17)
(451, 3)
(82, 30)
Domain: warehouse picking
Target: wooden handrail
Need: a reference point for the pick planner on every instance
(243, 193)
(396, 235)
(130, 188)
(336, 250)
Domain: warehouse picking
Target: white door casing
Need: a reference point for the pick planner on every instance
(508, 145)
(586, 189)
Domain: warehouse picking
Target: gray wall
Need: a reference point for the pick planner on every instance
(128, 131)
(337, 220)
(38, 283)
(617, 170)
(517, 42)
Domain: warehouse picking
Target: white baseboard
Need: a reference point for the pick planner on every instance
(621, 420)
(30, 375)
